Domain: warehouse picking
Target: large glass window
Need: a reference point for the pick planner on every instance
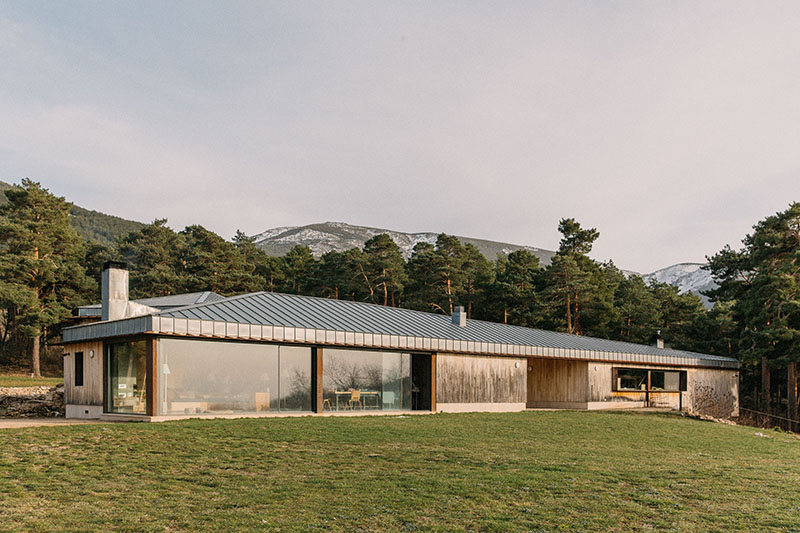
(360, 379)
(636, 379)
(209, 377)
(127, 378)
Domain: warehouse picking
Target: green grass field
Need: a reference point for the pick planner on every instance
(483, 472)
(24, 380)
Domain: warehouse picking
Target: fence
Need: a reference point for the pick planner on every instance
(758, 419)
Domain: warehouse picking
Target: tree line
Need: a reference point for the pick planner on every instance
(47, 270)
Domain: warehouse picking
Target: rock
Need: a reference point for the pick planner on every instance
(25, 402)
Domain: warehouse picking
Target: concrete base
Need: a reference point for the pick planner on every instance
(586, 406)
(85, 412)
(479, 407)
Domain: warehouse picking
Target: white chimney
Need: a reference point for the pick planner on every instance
(459, 316)
(114, 290)
(658, 341)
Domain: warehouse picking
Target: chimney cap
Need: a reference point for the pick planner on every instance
(122, 265)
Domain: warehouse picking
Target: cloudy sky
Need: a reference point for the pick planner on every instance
(672, 127)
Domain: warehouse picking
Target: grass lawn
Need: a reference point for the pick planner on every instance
(24, 380)
(487, 472)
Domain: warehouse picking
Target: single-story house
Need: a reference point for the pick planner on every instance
(263, 353)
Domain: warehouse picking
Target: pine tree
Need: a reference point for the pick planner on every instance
(384, 269)
(42, 277)
(298, 266)
(156, 257)
(763, 281)
(215, 264)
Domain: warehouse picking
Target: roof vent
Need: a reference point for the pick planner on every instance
(459, 316)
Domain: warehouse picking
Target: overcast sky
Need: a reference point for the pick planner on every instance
(671, 127)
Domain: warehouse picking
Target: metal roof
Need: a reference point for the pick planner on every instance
(286, 317)
(161, 302)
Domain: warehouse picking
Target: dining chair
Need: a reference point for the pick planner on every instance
(355, 399)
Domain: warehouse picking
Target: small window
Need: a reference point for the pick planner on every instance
(79, 369)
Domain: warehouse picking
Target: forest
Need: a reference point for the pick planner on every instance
(48, 268)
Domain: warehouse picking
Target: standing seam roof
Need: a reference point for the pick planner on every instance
(288, 310)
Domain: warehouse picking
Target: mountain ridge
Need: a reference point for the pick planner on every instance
(340, 236)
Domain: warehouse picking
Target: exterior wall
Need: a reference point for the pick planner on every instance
(475, 383)
(600, 380)
(713, 392)
(557, 383)
(85, 401)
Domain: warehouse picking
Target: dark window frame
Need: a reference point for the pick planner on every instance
(682, 379)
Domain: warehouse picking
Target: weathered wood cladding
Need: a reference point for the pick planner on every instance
(709, 391)
(91, 393)
(557, 380)
(713, 392)
(475, 379)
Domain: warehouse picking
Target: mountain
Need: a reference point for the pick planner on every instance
(339, 236)
(321, 238)
(92, 225)
(688, 277)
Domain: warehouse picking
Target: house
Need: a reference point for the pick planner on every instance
(262, 354)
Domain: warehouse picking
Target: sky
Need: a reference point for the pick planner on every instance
(671, 127)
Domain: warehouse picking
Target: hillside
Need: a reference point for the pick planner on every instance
(339, 236)
(688, 277)
(92, 225)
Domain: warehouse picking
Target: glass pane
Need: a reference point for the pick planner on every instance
(631, 379)
(295, 378)
(359, 379)
(656, 380)
(200, 377)
(672, 381)
(127, 378)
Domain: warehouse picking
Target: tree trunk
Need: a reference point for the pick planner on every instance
(35, 370)
(765, 392)
(569, 315)
(791, 395)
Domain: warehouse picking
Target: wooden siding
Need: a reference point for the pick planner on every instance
(709, 390)
(713, 392)
(557, 380)
(91, 393)
(475, 379)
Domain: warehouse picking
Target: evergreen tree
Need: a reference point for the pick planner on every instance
(42, 275)
(298, 266)
(574, 283)
(214, 264)
(513, 297)
(384, 269)
(763, 282)
(156, 257)
(338, 275)
(638, 311)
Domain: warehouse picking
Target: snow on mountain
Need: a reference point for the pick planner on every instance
(322, 238)
(688, 277)
(339, 236)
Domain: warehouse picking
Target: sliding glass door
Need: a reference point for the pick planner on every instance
(126, 367)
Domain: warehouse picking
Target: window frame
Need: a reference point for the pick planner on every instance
(682, 379)
(78, 368)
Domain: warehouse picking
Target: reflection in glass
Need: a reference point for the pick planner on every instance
(127, 378)
(360, 379)
(295, 379)
(198, 377)
(631, 379)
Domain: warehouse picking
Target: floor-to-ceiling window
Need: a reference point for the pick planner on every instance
(362, 380)
(127, 378)
(197, 377)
